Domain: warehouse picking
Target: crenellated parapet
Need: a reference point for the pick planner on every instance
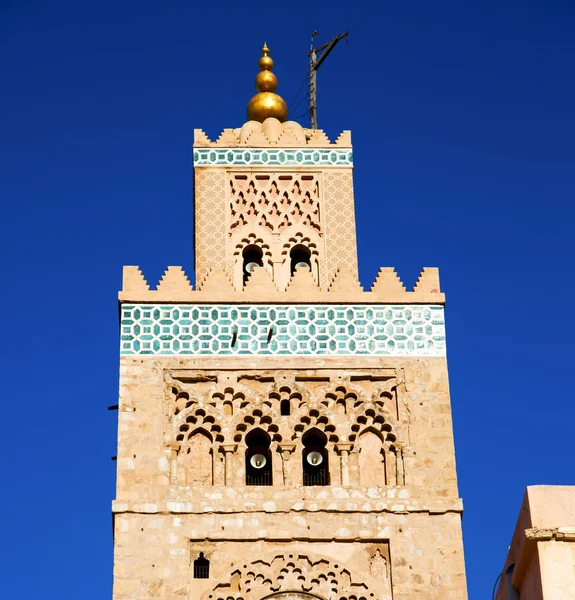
(302, 288)
(260, 319)
(271, 133)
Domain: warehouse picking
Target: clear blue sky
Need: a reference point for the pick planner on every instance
(462, 116)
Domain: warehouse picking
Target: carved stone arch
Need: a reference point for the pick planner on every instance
(381, 416)
(285, 395)
(370, 418)
(198, 430)
(229, 401)
(314, 415)
(343, 399)
(180, 399)
(195, 458)
(372, 457)
(386, 396)
(310, 240)
(254, 238)
(300, 238)
(197, 418)
(261, 418)
(296, 575)
(381, 398)
(373, 420)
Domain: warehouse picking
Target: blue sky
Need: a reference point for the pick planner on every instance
(463, 123)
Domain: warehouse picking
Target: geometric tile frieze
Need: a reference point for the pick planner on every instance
(275, 330)
(328, 157)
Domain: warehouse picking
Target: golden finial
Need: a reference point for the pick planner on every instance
(265, 103)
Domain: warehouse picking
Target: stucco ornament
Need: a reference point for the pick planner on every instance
(294, 576)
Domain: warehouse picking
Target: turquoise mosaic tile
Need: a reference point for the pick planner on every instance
(329, 157)
(384, 330)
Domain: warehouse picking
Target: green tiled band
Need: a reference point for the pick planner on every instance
(328, 157)
(385, 330)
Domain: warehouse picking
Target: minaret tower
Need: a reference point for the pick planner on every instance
(282, 431)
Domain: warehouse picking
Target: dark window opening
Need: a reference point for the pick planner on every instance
(252, 257)
(201, 567)
(300, 257)
(258, 458)
(284, 408)
(315, 458)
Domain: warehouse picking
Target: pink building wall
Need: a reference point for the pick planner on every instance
(542, 548)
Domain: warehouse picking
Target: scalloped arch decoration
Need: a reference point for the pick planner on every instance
(189, 422)
(292, 576)
(257, 419)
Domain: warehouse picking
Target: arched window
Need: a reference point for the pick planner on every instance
(201, 567)
(258, 458)
(315, 458)
(285, 408)
(252, 257)
(300, 257)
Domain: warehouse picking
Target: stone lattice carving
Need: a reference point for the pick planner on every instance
(300, 574)
(274, 201)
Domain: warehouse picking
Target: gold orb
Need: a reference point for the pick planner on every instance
(265, 105)
(266, 63)
(266, 81)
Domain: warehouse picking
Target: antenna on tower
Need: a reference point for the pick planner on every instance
(315, 61)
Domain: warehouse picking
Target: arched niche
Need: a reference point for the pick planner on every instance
(371, 459)
(198, 458)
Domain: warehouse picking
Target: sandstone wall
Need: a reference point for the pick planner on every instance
(169, 509)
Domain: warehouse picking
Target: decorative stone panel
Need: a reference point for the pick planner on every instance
(210, 221)
(300, 576)
(341, 247)
(274, 201)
